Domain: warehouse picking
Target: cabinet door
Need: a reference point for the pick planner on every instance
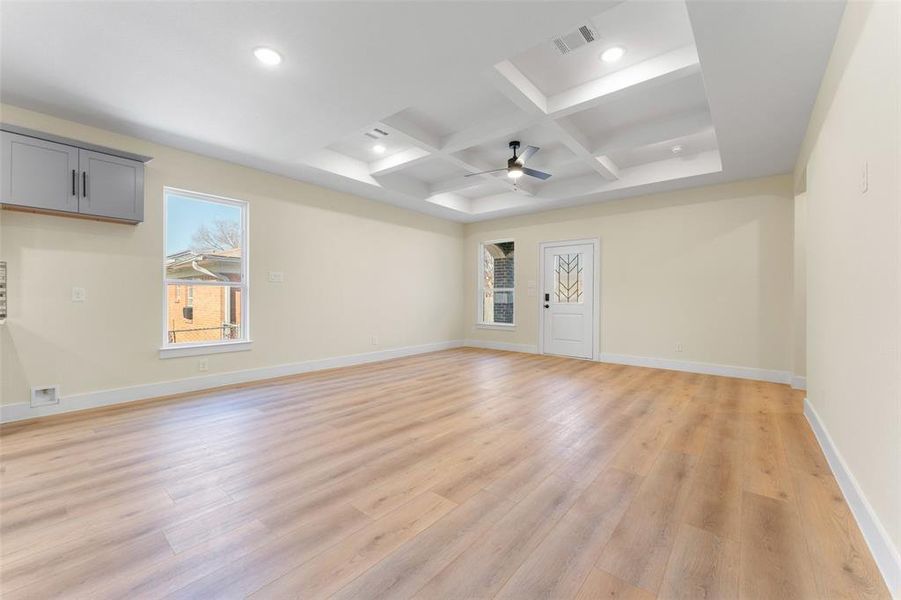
(39, 174)
(111, 186)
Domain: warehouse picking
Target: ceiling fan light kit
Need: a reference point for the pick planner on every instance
(516, 164)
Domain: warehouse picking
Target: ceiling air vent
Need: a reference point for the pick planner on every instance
(573, 41)
(376, 133)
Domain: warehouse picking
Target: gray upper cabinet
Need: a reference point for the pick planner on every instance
(50, 173)
(111, 186)
(39, 174)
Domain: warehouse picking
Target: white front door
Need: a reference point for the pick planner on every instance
(567, 300)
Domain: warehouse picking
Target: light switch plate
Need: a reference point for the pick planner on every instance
(78, 294)
(276, 277)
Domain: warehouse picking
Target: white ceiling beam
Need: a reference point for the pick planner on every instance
(666, 67)
(516, 86)
(413, 134)
(455, 184)
(656, 131)
(669, 169)
(452, 201)
(606, 168)
(486, 132)
(576, 143)
(335, 162)
(523, 92)
(398, 161)
(404, 184)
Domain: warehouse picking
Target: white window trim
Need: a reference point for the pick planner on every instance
(178, 350)
(499, 326)
(168, 350)
(480, 269)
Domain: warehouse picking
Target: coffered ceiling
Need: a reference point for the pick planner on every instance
(705, 92)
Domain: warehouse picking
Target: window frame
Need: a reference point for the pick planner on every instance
(168, 350)
(481, 323)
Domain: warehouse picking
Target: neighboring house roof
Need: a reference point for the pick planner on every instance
(222, 265)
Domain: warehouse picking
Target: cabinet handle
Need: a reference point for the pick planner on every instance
(74, 183)
(84, 184)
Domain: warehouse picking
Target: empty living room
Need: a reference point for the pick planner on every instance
(450, 300)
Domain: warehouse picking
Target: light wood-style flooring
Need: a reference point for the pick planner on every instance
(459, 474)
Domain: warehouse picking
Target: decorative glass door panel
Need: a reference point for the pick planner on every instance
(569, 281)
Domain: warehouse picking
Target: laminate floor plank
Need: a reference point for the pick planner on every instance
(702, 565)
(714, 502)
(774, 558)
(329, 571)
(641, 544)
(464, 473)
(558, 567)
(483, 568)
(841, 563)
(601, 585)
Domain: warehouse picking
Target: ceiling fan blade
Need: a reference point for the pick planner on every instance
(534, 173)
(483, 172)
(526, 154)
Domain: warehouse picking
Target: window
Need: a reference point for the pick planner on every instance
(496, 285)
(568, 279)
(206, 253)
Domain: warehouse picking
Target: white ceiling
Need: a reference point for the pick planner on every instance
(451, 83)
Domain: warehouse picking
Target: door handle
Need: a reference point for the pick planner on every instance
(74, 183)
(547, 305)
(84, 184)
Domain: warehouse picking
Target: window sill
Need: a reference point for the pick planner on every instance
(201, 349)
(499, 326)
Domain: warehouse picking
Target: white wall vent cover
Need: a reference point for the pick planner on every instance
(582, 36)
(44, 395)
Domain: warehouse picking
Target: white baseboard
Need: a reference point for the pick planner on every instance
(656, 363)
(698, 367)
(527, 348)
(884, 551)
(799, 382)
(74, 402)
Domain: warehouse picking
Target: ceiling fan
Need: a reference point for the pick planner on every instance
(516, 165)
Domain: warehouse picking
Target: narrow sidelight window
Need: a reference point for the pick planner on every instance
(496, 285)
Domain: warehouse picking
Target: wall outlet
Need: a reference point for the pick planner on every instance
(276, 277)
(679, 347)
(202, 365)
(44, 395)
(78, 294)
(374, 340)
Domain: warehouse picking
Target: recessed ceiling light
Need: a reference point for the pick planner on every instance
(613, 54)
(514, 172)
(267, 56)
(379, 149)
(677, 149)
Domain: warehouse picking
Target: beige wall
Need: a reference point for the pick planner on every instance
(353, 268)
(799, 307)
(854, 254)
(709, 268)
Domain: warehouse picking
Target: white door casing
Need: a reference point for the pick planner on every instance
(568, 298)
